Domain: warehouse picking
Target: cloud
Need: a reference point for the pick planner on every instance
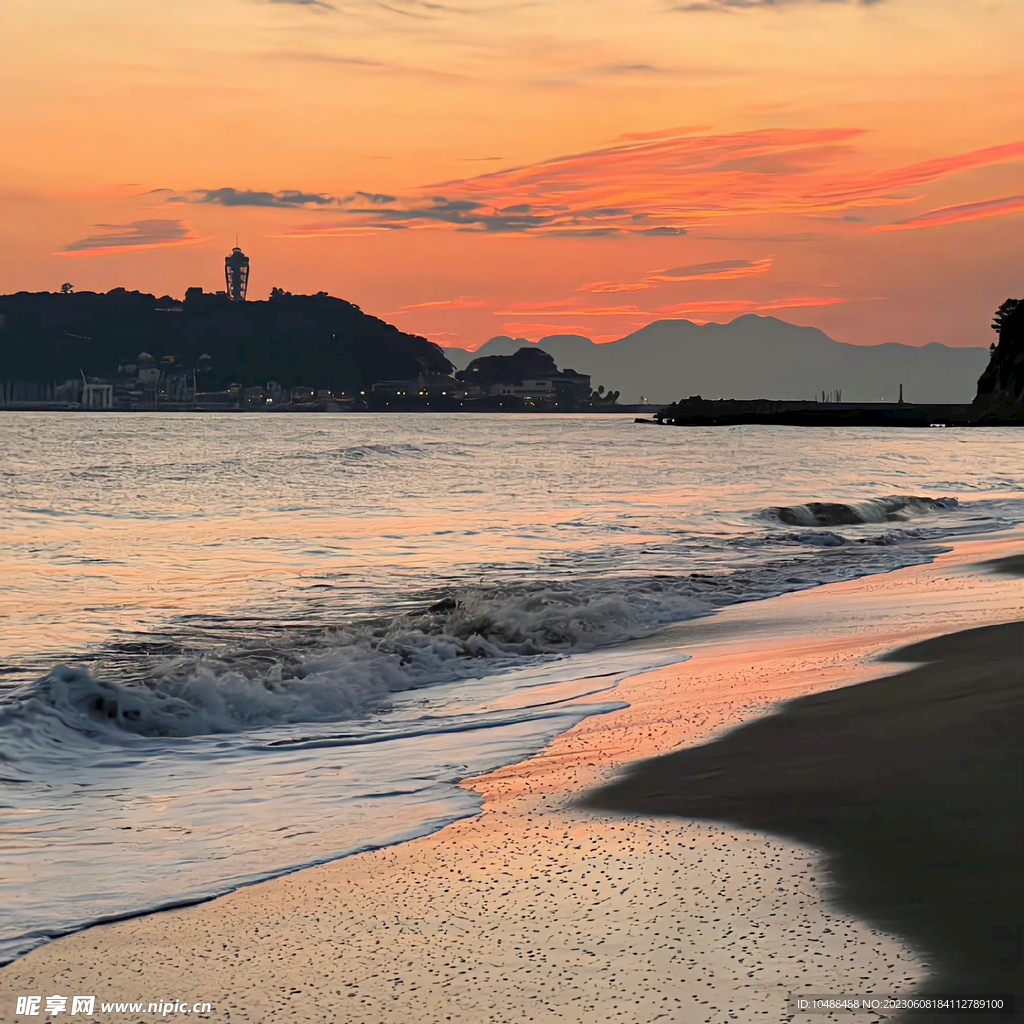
(462, 302)
(696, 308)
(719, 306)
(958, 214)
(316, 5)
(638, 71)
(366, 63)
(528, 330)
(723, 270)
(616, 68)
(140, 234)
(567, 309)
(286, 198)
(732, 6)
(654, 185)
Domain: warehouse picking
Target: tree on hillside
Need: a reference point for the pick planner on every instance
(1004, 313)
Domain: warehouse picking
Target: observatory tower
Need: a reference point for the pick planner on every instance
(236, 274)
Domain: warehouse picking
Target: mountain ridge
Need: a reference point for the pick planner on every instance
(754, 357)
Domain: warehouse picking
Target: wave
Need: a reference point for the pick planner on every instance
(895, 508)
(349, 671)
(342, 667)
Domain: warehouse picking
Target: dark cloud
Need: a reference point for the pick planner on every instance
(138, 234)
(662, 231)
(286, 198)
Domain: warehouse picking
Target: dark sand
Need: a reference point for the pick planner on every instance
(911, 785)
(1012, 565)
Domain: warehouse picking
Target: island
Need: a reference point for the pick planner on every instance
(132, 351)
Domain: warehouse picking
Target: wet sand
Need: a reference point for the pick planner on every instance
(538, 910)
(913, 786)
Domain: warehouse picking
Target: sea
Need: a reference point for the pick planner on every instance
(237, 645)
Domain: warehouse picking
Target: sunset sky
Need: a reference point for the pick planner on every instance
(527, 167)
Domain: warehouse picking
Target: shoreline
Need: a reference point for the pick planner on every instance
(319, 933)
(910, 785)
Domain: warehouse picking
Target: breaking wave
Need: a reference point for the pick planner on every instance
(896, 508)
(348, 670)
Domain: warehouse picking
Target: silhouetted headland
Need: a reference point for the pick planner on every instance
(134, 351)
(150, 347)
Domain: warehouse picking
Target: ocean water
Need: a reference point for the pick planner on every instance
(236, 645)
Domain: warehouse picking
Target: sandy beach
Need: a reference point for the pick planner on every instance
(539, 910)
(910, 783)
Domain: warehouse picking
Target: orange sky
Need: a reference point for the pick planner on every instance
(480, 167)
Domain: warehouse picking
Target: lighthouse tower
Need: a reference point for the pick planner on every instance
(236, 274)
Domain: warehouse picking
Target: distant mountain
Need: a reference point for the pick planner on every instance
(755, 357)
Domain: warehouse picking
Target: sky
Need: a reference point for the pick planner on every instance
(472, 168)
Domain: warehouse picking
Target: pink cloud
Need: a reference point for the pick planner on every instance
(723, 270)
(661, 184)
(958, 214)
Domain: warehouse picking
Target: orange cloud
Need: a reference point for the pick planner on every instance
(462, 302)
(723, 270)
(710, 307)
(547, 309)
(803, 303)
(751, 305)
(658, 184)
(958, 214)
(527, 330)
(614, 286)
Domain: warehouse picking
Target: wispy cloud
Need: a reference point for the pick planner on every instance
(533, 330)
(462, 302)
(699, 308)
(736, 6)
(716, 307)
(723, 270)
(364, 63)
(140, 234)
(321, 6)
(656, 185)
(957, 214)
(639, 71)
